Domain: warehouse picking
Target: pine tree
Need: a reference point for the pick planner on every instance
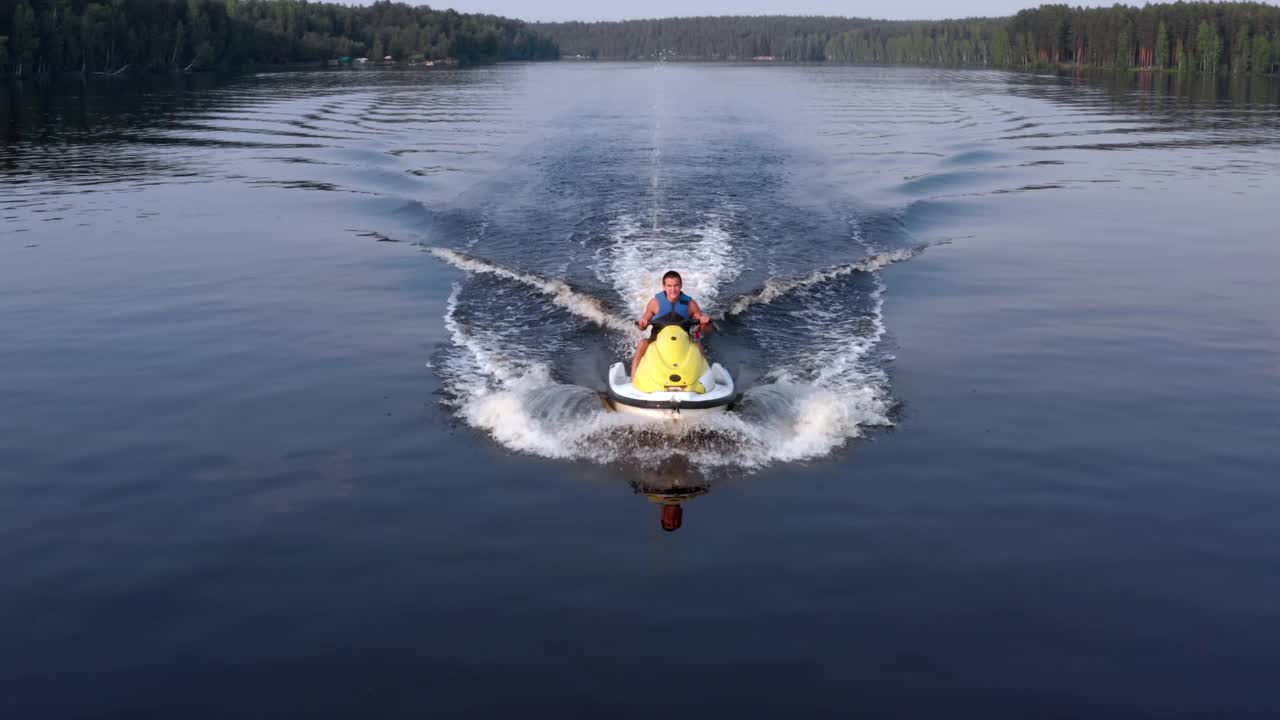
(1124, 45)
(1241, 54)
(26, 36)
(1000, 51)
(1207, 47)
(1261, 61)
(1162, 46)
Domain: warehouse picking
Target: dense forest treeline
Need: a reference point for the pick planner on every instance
(1238, 37)
(107, 35)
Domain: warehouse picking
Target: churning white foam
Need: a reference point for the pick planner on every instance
(493, 385)
(827, 391)
(814, 402)
(638, 254)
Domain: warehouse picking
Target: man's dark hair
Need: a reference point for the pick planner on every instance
(672, 274)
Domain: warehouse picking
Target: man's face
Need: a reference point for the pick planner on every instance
(672, 287)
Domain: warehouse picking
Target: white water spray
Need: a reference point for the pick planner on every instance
(560, 293)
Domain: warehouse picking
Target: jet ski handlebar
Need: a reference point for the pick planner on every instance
(684, 323)
(689, 325)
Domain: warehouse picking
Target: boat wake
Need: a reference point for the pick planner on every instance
(811, 339)
(559, 291)
(775, 288)
(794, 286)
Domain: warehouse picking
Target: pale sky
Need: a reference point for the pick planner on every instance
(549, 10)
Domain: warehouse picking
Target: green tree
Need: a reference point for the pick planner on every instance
(204, 55)
(1208, 47)
(26, 36)
(1000, 49)
(1241, 54)
(1124, 45)
(1261, 61)
(200, 31)
(1162, 46)
(179, 43)
(50, 39)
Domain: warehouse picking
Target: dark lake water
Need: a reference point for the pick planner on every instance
(299, 409)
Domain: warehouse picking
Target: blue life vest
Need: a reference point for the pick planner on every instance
(681, 306)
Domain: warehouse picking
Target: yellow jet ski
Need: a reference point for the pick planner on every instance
(673, 381)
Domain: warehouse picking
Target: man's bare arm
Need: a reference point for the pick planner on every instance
(696, 313)
(649, 311)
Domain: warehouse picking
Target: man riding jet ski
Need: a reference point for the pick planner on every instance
(670, 377)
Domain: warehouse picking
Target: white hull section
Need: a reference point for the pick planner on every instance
(674, 405)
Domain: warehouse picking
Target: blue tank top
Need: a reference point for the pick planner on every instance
(680, 307)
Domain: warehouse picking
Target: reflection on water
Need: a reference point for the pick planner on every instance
(670, 485)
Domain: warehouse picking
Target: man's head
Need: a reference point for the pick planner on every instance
(672, 284)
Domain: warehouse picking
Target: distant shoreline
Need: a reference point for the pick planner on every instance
(1237, 38)
(1045, 70)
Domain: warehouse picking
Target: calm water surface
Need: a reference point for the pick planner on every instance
(299, 407)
